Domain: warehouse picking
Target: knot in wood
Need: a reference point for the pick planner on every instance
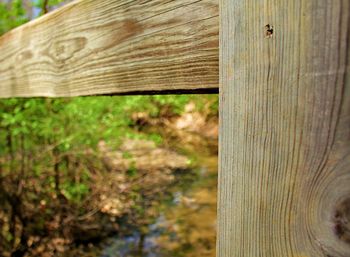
(342, 221)
(65, 49)
(268, 31)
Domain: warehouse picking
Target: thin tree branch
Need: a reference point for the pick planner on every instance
(45, 6)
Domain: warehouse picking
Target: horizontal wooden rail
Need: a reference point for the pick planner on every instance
(114, 47)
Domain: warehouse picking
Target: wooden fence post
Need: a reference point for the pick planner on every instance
(285, 129)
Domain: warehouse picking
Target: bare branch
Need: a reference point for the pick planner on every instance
(45, 6)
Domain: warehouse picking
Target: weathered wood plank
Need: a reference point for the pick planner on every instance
(114, 47)
(285, 129)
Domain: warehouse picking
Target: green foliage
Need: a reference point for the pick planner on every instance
(132, 171)
(75, 191)
(71, 126)
(40, 3)
(12, 14)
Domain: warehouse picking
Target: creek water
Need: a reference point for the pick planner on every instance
(186, 225)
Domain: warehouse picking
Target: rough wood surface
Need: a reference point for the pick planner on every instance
(285, 129)
(114, 47)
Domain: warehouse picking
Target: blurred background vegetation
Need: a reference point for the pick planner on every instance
(105, 176)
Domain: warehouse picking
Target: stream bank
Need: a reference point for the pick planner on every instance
(186, 224)
(132, 196)
(185, 220)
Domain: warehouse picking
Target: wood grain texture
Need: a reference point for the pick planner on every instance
(113, 47)
(285, 129)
